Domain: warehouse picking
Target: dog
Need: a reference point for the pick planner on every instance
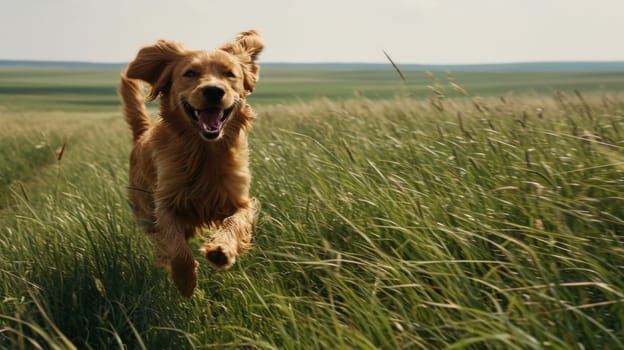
(189, 167)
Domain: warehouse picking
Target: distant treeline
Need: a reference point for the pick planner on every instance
(520, 66)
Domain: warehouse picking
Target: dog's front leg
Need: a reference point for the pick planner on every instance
(173, 252)
(233, 238)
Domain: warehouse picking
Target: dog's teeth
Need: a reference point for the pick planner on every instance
(197, 113)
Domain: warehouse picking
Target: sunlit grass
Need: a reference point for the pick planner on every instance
(400, 223)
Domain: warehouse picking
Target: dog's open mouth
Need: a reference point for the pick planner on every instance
(209, 121)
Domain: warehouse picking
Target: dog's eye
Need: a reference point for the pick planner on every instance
(230, 74)
(190, 74)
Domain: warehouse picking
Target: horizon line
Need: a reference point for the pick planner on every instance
(7, 60)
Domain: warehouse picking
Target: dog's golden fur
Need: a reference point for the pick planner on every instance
(189, 167)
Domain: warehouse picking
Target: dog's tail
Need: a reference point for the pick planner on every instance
(133, 100)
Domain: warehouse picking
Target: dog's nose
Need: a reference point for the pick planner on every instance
(213, 93)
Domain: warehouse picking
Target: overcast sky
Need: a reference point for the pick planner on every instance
(411, 31)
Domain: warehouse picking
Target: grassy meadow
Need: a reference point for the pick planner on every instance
(453, 211)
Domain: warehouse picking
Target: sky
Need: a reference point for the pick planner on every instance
(410, 31)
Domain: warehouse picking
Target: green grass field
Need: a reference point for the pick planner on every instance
(95, 89)
(394, 216)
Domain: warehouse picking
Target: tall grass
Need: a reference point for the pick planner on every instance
(420, 224)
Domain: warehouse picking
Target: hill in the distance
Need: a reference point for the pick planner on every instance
(520, 66)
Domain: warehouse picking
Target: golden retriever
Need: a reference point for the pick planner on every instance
(189, 167)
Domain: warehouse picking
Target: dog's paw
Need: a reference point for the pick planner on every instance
(184, 275)
(220, 257)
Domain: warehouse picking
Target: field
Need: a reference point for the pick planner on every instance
(452, 211)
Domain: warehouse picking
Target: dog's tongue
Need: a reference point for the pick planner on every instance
(209, 119)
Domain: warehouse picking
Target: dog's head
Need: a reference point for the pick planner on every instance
(202, 88)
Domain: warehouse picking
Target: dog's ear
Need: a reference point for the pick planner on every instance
(247, 47)
(153, 64)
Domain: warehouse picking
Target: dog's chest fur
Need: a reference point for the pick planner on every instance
(203, 184)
